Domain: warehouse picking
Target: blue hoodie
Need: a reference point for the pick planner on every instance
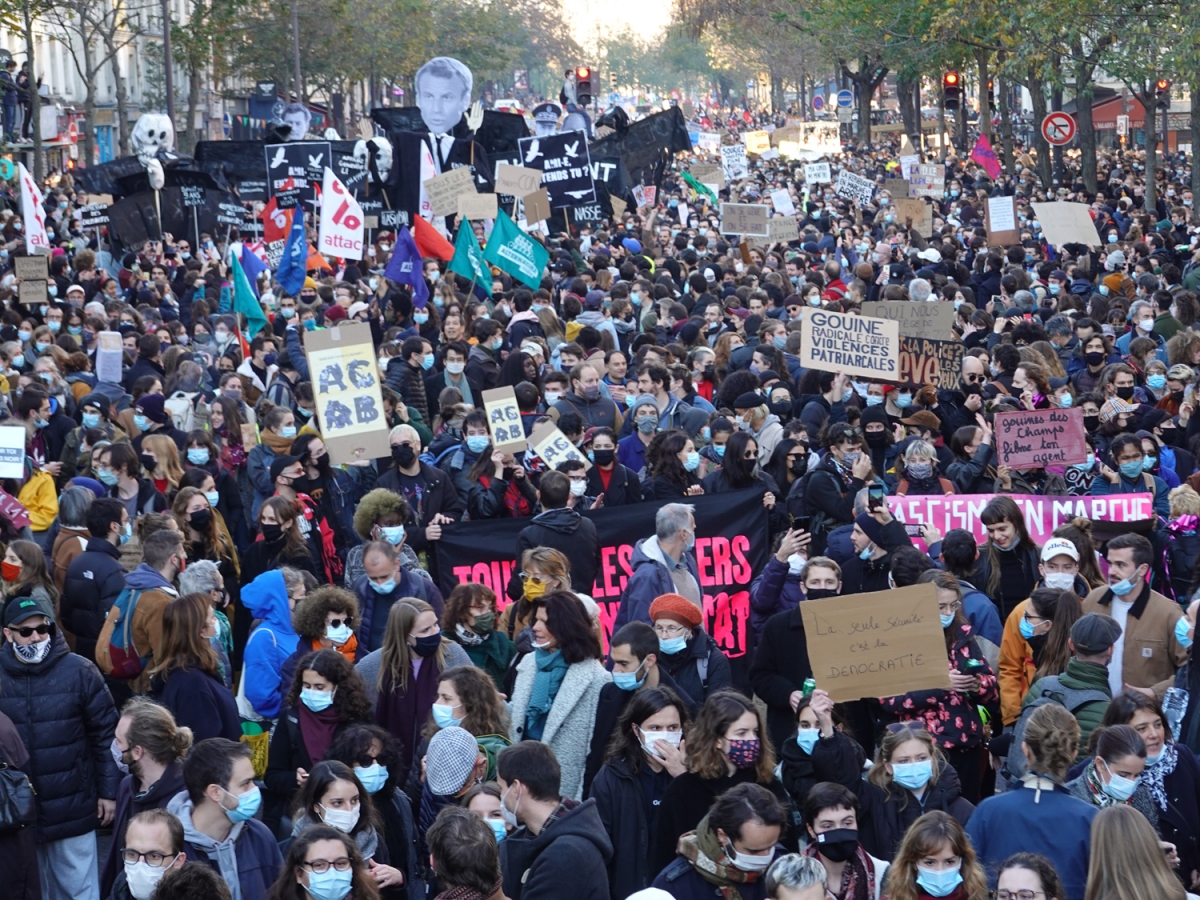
(270, 644)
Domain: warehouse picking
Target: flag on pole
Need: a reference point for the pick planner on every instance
(468, 257)
(253, 266)
(342, 220)
(245, 300)
(405, 267)
(429, 242)
(295, 252)
(698, 187)
(515, 252)
(32, 213)
(986, 156)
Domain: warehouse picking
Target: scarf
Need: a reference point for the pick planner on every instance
(858, 875)
(279, 445)
(366, 839)
(469, 893)
(702, 849)
(467, 638)
(1153, 777)
(347, 649)
(1091, 780)
(317, 729)
(551, 669)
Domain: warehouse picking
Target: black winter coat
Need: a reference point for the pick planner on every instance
(199, 701)
(94, 580)
(288, 753)
(572, 855)
(66, 719)
(439, 496)
(624, 487)
(571, 534)
(780, 667)
(409, 383)
(622, 808)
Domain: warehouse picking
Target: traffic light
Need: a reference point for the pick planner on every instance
(1162, 94)
(612, 79)
(952, 90)
(585, 85)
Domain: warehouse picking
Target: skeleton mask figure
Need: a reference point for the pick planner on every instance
(381, 149)
(152, 133)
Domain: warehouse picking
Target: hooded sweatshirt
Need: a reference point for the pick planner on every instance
(574, 536)
(270, 644)
(248, 859)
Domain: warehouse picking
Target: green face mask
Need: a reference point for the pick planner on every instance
(484, 624)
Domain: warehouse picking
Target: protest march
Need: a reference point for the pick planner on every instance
(555, 497)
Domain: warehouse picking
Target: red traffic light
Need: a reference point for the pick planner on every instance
(583, 73)
(1162, 84)
(950, 79)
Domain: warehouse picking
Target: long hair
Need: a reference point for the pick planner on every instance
(719, 712)
(233, 420)
(167, 455)
(662, 457)
(294, 546)
(483, 707)
(1126, 861)
(1122, 707)
(928, 835)
(33, 570)
(1063, 609)
(1053, 738)
(568, 620)
(397, 655)
(182, 645)
(944, 581)
(350, 693)
(736, 471)
(308, 799)
(625, 744)
(215, 542)
(1079, 532)
(881, 777)
(286, 887)
(1003, 509)
(152, 727)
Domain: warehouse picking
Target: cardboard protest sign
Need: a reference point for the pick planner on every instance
(818, 139)
(923, 361)
(880, 644)
(788, 149)
(249, 434)
(552, 446)
(855, 345)
(346, 383)
(504, 419)
(709, 141)
(756, 141)
(1000, 220)
(927, 181)
(817, 173)
(1033, 439)
(12, 452)
(192, 194)
(109, 349)
(908, 161)
(517, 181)
(733, 161)
(709, 175)
(444, 190)
(927, 320)
(1067, 223)
(618, 206)
(919, 211)
(477, 206)
(854, 187)
(33, 293)
(93, 215)
(782, 201)
(565, 165)
(31, 268)
(537, 206)
(302, 163)
(785, 229)
(745, 218)
(897, 187)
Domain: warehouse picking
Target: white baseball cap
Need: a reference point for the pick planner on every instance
(1059, 547)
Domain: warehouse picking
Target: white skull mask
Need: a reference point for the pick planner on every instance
(383, 161)
(152, 133)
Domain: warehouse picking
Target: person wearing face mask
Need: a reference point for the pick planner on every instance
(1141, 317)
(1129, 475)
(452, 373)
(470, 620)
(831, 816)
(453, 764)
(826, 493)
(93, 412)
(325, 620)
(779, 588)
(937, 860)
(875, 536)
(631, 450)
(383, 582)
(218, 810)
(466, 701)
(432, 498)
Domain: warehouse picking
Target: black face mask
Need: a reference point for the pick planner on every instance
(1177, 396)
(1091, 423)
(273, 533)
(604, 457)
(782, 409)
(1125, 393)
(877, 438)
(1037, 644)
(404, 455)
(149, 463)
(1170, 436)
(1094, 358)
(969, 389)
(799, 466)
(200, 519)
(837, 844)
(821, 594)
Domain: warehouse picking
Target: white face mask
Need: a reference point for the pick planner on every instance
(509, 817)
(342, 819)
(749, 862)
(649, 737)
(578, 488)
(1060, 581)
(143, 878)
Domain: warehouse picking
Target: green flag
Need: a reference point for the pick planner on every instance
(698, 187)
(515, 252)
(468, 258)
(244, 301)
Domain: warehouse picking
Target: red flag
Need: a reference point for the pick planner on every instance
(430, 243)
(986, 156)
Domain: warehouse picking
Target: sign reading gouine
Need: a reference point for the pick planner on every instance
(876, 645)
(349, 402)
(855, 345)
(1032, 439)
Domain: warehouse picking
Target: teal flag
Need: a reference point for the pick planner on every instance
(699, 187)
(468, 258)
(515, 252)
(244, 299)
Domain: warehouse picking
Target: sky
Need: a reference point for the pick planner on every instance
(648, 18)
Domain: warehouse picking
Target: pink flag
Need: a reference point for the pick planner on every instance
(986, 156)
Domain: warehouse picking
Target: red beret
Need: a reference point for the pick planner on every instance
(674, 606)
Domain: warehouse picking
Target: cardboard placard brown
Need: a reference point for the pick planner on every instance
(919, 211)
(349, 403)
(854, 345)
(1000, 221)
(31, 268)
(370, 222)
(618, 205)
(537, 206)
(517, 181)
(745, 219)
(477, 206)
(880, 644)
(32, 293)
(552, 446)
(1033, 439)
(921, 320)
(897, 187)
(756, 141)
(504, 419)
(688, 109)
(706, 174)
(1067, 223)
(784, 229)
(923, 361)
(927, 181)
(445, 189)
(249, 435)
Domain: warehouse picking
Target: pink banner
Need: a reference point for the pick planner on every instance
(1042, 514)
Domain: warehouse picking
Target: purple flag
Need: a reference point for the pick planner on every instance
(405, 267)
(253, 266)
(986, 156)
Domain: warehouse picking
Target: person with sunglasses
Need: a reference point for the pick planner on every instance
(58, 701)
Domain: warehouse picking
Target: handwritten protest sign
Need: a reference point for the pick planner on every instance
(733, 161)
(33, 293)
(709, 141)
(928, 320)
(108, 356)
(817, 173)
(552, 446)
(445, 189)
(1067, 223)
(923, 361)
(756, 141)
(709, 175)
(504, 419)
(854, 187)
(349, 402)
(31, 268)
(782, 201)
(784, 229)
(745, 218)
(12, 452)
(1000, 221)
(1032, 439)
(879, 644)
(855, 345)
(920, 212)
(537, 206)
(477, 206)
(517, 181)
(927, 181)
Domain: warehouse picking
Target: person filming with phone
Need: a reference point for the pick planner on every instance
(826, 494)
(876, 536)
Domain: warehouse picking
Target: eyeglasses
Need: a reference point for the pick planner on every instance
(1016, 895)
(669, 630)
(337, 623)
(952, 608)
(30, 631)
(536, 579)
(897, 727)
(321, 866)
(154, 859)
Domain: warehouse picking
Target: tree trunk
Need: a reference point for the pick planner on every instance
(1037, 93)
(1006, 133)
(87, 140)
(910, 115)
(985, 94)
(1149, 120)
(1084, 95)
(190, 137)
(865, 92)
(114, 61)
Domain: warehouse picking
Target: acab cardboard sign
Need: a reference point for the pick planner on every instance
(348, 398)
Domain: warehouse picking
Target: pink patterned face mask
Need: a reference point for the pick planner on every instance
(744, 754)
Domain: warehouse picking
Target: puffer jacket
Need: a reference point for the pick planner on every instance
(94, 580)
(775, 590)
(67, 720)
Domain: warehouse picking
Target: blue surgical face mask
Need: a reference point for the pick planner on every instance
(1181, 632)
(498, 829)
(330, 884)
(807, 738)
(947, 620)
(477, 443)
(393, 534)
(288, 431)
(1119, 787)
(420, 317)
(386, 588)
(213, 498)
(1065, 401)
(108, 476)
(866, 552)
(719, 449)
(91, 420)
(316, 700)
(142, 423)
(673, 645)
(197, 456)
(874, 400)
(692, 463)
(247, 805)
(1132, 469)
(373, 777)
(427, 362)
(1157, 382)
(903, 401)
(1086, 466)
(443, 716)
(913, 776)
(1025, 628)
(937, 883)
(1054, 288)
(1149, 462)
(629, 681)
(1122, 588)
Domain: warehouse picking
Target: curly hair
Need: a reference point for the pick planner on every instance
(350, 693)
(458, 605)
(308, 618)
(482, 703)
(375, 505)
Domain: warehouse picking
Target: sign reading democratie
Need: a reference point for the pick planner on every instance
(855, 345)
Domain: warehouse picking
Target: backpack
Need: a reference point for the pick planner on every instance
(182, 409)
(1015, 765)
(123, 661)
